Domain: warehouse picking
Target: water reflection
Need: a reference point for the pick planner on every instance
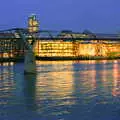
(92, 75)
(29, 90)
(7, 86)
(69, 83)
(60, 90)
(54, 88)
(116, 79)
(85, 70)
(6, 79)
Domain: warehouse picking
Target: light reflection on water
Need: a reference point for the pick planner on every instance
(66, 90)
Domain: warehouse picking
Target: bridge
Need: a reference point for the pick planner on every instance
(31, 43)
(14, 42)
(56, 35)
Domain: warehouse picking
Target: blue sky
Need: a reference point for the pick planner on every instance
(75, 15)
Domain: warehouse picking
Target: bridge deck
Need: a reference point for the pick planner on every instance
(62, 38)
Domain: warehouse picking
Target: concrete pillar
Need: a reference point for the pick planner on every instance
(29, 63)
(29, 57)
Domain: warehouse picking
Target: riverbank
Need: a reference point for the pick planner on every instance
(21, 59)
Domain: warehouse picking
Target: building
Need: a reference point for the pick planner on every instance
(33, 24)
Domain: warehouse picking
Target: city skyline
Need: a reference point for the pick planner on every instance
(78, 15)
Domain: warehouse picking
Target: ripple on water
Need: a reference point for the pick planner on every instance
(61, 90)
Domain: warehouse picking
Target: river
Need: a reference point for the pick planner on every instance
(61, 90)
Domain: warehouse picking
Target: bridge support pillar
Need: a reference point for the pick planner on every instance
(29, 63)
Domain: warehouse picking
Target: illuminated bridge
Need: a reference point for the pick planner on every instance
(52, 45)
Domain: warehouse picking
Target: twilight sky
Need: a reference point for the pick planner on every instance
(76, 15)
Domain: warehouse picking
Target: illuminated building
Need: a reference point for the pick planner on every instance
(33, 24)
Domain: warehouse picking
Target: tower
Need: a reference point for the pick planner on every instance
(33, 28)
(33, 24)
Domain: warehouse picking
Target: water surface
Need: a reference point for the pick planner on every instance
(61, 90)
